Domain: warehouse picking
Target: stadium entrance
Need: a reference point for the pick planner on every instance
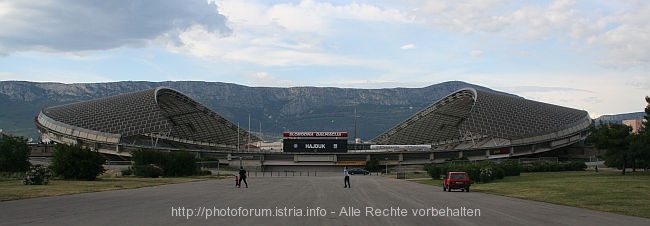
(325, 142)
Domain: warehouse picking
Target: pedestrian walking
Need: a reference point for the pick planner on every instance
(242, 177)
(346, 180)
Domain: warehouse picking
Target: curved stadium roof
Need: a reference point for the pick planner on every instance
(471, 118)
(161, 114)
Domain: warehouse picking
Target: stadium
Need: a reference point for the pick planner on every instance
(481, 124)
(468, 123)
(159, 118)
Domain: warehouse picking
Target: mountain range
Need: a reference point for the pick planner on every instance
(270, 110)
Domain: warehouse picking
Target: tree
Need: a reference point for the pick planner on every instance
(639, 151)
(76, 162)
(373, 165)
(640, 143)
(173, 164)
(623, 148)
(615, 138)
(14, 154)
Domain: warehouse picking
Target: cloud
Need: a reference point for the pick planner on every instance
(625, 37)
(462, 16)
(4, 76)
(268, 80)
(476, 53)
(312, 16)
(73, 26)
(613, 34)
(408, 46)
(285, 34)
(543, 89)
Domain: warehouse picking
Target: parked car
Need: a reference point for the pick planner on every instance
(456, 180)
(358, 171)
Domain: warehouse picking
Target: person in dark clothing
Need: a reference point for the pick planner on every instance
(346, 181)
(242, 177)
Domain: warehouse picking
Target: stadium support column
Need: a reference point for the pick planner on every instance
(249, 133)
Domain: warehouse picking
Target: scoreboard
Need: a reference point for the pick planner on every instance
(315, 142)
(315, 145)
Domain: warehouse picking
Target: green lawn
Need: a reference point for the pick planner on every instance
(11, 189)
(604, 191)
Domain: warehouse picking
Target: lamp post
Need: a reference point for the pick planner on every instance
(386, 161)
(240, 160)
(355, 126)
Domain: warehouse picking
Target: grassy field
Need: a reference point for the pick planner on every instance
(607, 191)
(12, 188)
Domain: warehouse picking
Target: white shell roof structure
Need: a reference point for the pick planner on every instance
(163, 115)
(471, 118)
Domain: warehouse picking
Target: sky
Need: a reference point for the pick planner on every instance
(592, 55)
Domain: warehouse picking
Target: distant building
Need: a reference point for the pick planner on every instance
(636, 124)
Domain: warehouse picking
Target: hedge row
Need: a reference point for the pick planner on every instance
(554, 166)
(488, 171)
(478, 172)
(149, 163)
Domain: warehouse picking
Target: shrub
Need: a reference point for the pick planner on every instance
(149, 170)
(373, 165)
(75, 162)
(433, 170)
(37, 175)
(482, 172)
(511, 168)
(499, 173)
(127, 171)
(206, 173)
(172, 163)
(14, 154)
(577, 166)
(486, 175)
(485, 172)
(543, 166)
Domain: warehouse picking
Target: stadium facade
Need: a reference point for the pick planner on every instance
(484, 124)
(472, 123)
(160, 117)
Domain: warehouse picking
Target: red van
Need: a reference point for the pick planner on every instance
(456, 180)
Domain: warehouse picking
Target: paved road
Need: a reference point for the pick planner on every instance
(323, 196)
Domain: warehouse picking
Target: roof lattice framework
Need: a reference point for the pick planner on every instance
(160, 113)
(478, 114)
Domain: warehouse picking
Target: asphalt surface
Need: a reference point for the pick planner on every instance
(320, 200)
